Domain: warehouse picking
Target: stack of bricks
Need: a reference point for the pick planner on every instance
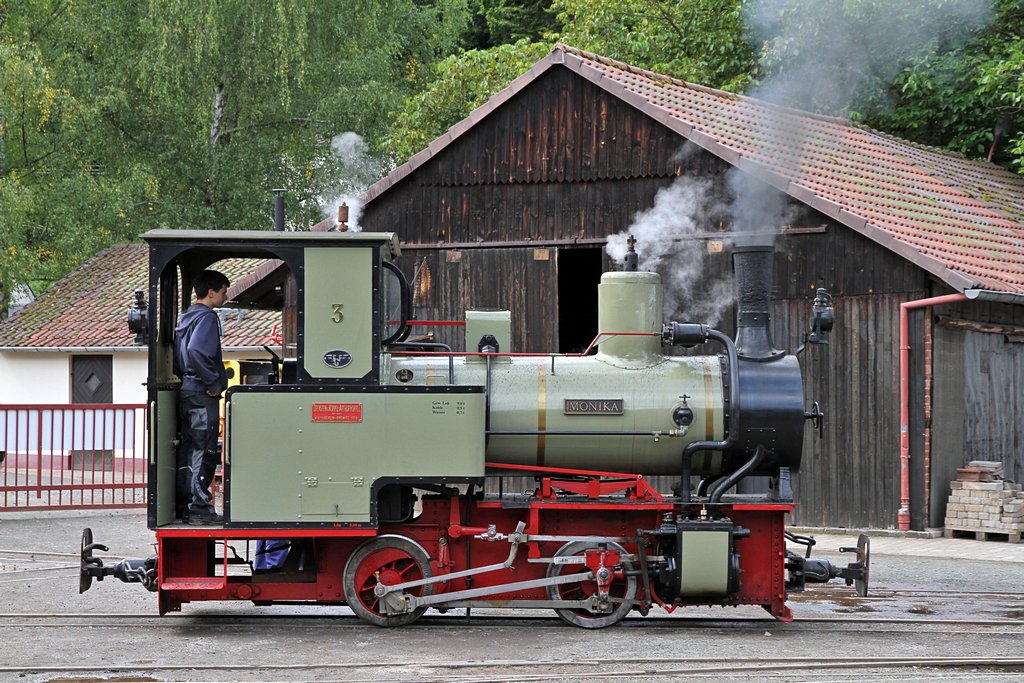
(983, 503)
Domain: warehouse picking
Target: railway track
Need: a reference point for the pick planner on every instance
(647, 668)
(519, 620)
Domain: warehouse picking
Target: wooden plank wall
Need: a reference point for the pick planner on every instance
(567, 161)
(994, 402)
(516, 279)
(979, 382)
(948, 419)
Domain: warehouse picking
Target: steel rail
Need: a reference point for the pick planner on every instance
(697, 665)
(673, 621)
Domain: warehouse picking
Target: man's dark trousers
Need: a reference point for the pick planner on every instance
(198, 453)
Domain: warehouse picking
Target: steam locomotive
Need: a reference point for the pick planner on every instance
(367, 452)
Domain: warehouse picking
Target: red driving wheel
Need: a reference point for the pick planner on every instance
(388, 560)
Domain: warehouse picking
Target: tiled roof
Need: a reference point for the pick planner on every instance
(958, 219)
(89, 307)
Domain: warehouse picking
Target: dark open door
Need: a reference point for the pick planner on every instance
(579, 273)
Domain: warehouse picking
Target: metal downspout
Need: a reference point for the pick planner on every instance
(903, 516)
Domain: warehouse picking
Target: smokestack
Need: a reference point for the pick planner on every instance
(753, 267)
(279, 209)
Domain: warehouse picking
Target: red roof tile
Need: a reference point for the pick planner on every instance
(89, 307)
(958, 219)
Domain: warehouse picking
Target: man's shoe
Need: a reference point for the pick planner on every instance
(204, 519)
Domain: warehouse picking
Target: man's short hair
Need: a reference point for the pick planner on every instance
(207, 280)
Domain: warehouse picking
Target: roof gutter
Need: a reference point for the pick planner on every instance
(993, 295)
(903, 516)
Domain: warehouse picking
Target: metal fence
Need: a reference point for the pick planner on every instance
(66, 457)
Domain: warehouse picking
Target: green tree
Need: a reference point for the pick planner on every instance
(968, 95)
(500, 22)
(118, 117)
(50, 185)
(702, 41)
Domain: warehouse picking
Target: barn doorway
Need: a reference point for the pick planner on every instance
(579, 273)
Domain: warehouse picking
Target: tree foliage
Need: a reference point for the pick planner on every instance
(702, 41)
(119, 117)
(967, 95)
(501, 22)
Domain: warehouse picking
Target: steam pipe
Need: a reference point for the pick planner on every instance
(903, 516)
(731, 405)
(734, 478)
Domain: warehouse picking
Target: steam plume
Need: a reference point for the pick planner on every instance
(666, 230)
(354, 169)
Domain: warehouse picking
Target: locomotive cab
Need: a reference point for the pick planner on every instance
(297, 451)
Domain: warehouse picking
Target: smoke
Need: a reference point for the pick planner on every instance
(834, 58)
(352, 169)
(830, 57)
(668, 230)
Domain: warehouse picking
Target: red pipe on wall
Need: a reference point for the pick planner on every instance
(903, 516)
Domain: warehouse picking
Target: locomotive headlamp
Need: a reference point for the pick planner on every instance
(138, 318)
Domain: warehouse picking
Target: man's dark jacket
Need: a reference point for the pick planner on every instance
(198, 358)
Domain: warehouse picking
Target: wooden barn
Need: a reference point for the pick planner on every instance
(511, 208)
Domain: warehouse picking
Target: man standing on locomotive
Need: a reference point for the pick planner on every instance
(199, 362)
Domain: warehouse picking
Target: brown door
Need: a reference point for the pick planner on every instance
(92, 379)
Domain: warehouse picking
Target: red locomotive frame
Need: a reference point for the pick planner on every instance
(459, 533)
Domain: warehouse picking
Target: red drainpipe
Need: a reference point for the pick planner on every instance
(904, 512)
